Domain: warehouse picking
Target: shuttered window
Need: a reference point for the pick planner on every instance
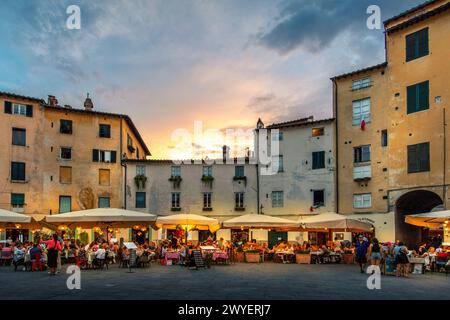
(18, 171)
(239, 171)
(361, 154)
(18, 109)
(65, 204)
(104, 202)
(105, 131)
(17, 200)
(18, 137)
(65, 175)
(417, 45)
(419, 157)
(277, 199)
(104, 156)
(318, 160)
(65, 126)
(361, 111)
(175, 200)
(104, 176)
(418, 97)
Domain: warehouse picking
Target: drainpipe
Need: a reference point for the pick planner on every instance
(336, 147)
(124, 166)
(257, 172)
(444, 190)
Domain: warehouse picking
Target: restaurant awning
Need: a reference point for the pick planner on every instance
(187, 220)
(13, 217)
(331, 220)
(430, 219)
(114, 217)
(259, 221)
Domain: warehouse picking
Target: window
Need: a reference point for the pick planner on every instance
(207, 171)
(207, 196)
(175, 200)
(318, 160)
(361, 84)
(277, 136)
(18, 109)
(65, 175)
(137, 153)
(239, 171)
(130, 143)
(17, 200)
(384, 138)
(318, 198)
(104, 202)
(175, 171)
(104, 176)
(66, 153)
(17, 171)
(18, 137)
(317, 132)
(104, 156)
(361, 201)
(65, 204)
(419, 157)
(361, 154)
(418, 97)
(239, 200)
(417, 45)
(65, 126)
(278, 165)
(277, 199)
(140, 170)
(361, 110)
(140, 199)
(104, 131)
(361, 173)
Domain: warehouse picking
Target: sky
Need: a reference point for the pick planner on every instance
(170, 63)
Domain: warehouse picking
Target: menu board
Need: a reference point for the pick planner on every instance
(199, 263)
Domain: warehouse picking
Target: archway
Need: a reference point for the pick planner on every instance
(413, 202)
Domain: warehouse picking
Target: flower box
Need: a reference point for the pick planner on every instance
(348, 258)
(252, 257)
(240, 257)
(303, 258)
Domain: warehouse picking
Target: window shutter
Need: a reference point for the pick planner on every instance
(8, 107)
(424, 157)
(423, 42)
(95, 155)
(411, 99)
(29, 110)
(113, 156)
(412, 159)
(410, 47)
(424, 102)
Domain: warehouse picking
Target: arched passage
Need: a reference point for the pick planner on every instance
(413, 202)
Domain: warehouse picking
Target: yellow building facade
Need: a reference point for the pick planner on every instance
(391, 127)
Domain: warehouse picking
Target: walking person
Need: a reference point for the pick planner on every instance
(53, 247)
(375, 252)
(361, 247)
(401, 260)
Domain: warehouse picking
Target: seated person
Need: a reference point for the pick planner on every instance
(19, 256)
(34, 251)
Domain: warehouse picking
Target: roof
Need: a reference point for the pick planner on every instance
(107, 114)
(18, 96)
(298, 122)
(419, 18)
(349, 74)
(184, 162)
(409, 11)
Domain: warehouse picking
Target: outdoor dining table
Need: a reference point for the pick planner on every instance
(171, 256)
(284, 255)
(219, 255)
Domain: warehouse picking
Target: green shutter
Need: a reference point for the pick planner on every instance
(412, 159)
(29, 111)
(8, 107)
(95, 155)
(410, 47)
(411, 99)
(423, 93)
(113, 156)
(424, 157)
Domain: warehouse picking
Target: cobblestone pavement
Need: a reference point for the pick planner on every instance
(238, 281)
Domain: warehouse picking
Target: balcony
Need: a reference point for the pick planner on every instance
(363, 173)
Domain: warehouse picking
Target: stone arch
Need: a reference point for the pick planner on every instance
(413, 202)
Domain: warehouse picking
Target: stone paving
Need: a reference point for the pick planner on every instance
(238, 281)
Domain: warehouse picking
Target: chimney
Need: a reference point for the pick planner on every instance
(259, 124)
(88, 105)
(225, 153)
(52, 101)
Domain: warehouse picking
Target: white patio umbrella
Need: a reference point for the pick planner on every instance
(13, 217)
(331, 220)
(259, 221)
(430, 219)
(102, 216)
(187, 220)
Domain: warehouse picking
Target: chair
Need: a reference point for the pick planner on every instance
(36, 262)
(441, 263)
(144, 260)
(6, 257)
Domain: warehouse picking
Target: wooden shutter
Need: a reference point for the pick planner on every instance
(8, 107)
(65, 175)
(423, 93)
(410, 47)
(424, 157)
(95, 155)
(423, 43)
(104, 177)
(411, 99)
(113, 156)
(29, 110)
(412, 159)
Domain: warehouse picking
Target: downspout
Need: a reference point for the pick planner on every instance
(444, 190)
(257, 173)
(123, 164)
(336, 147)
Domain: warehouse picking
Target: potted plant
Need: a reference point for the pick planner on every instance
(140, 180)
(252, 256)
(176, 180)
(348, 257)
(207, 180)
(240, 255)
(303, 256)
(240, 178)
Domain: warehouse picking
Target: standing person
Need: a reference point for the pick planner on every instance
(58, 261)
(401, 260)
(53, 247)
(375, 252)
(361, 252)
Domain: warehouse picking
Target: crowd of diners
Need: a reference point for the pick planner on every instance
(51, 254)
